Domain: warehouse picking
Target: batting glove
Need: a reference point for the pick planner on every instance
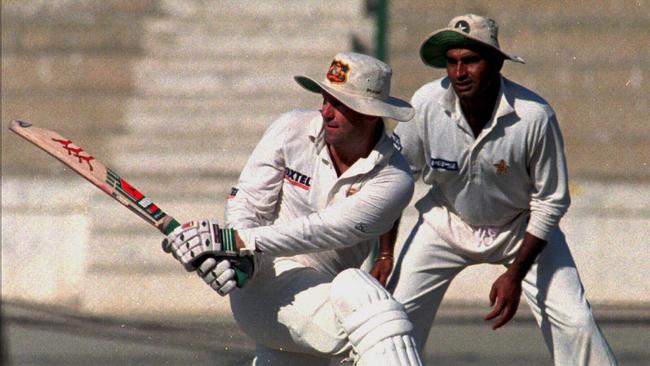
(225, 275)
(196, 241)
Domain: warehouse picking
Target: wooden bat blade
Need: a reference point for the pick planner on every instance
(96, 173)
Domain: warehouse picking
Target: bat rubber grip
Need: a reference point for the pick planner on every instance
(173, 224)
(242, 277)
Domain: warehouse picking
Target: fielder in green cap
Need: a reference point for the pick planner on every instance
(492, 152)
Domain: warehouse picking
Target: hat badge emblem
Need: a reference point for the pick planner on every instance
(462, 25)
(338, 72)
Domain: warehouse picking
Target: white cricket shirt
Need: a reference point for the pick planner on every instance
(289, 201)
(515, 166)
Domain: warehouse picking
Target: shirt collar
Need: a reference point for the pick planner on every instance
(450, 102)
(380, 154)
(316, 132)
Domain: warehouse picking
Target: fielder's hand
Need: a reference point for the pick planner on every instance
(197, 241)
(382, 268)
(504, 298)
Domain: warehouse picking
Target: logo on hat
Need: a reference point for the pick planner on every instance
(361, 83)
(338, 72)
(463, 26)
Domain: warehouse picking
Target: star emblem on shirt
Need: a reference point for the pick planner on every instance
(501, 167)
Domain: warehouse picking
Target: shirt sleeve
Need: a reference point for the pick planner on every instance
(252, 202)
(365, 215)
(408, 141)
(550, 197)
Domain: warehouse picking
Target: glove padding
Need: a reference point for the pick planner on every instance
(196, 242)
(219, 275)
(224, 275)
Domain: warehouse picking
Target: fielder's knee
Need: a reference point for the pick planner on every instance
(576, 318)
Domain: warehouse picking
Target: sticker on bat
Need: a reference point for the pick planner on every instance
(75, 151)
(133, 194)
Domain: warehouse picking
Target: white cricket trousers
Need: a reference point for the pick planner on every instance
(427, 265)
(286, 310)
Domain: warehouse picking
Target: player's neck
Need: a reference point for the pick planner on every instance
(346, 154)
(479, 110)
(344, 157)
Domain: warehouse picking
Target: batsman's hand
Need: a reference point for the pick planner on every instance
(224, 275)
(197, 241)
(193, 242)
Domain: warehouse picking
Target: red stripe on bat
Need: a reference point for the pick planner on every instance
(131, 190)
(152, 208)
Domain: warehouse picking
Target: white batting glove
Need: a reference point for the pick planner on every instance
(193, 242)
(197, 241)
(219, 275)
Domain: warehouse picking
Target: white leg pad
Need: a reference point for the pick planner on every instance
(377, 325)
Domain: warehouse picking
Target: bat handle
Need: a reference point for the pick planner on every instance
(167, 228)
(170, 226)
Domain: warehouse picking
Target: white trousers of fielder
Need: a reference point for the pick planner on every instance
(427, 264)
(300, 316)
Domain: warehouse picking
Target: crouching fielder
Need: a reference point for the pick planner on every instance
(317, 192)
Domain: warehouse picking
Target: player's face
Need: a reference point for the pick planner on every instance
(470, 73)
(342, 124)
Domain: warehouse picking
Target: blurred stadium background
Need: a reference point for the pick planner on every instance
(173, 95)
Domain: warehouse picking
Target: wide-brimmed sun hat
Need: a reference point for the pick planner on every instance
(362, 83)
(463, 31)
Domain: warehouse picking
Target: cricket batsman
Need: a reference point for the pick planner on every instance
(315, 195)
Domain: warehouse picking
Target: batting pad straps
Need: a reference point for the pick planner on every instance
(379, 320)
(227, 238)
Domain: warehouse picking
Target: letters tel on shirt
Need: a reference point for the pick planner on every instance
(297, 179)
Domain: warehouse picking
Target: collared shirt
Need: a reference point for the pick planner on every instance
(289, 200)
(515, 166)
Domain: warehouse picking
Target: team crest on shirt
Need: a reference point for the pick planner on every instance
(338, 72)
(501, 167)
(352, 190)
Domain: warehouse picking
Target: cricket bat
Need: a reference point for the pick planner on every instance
(96, 173)
(110, 182)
